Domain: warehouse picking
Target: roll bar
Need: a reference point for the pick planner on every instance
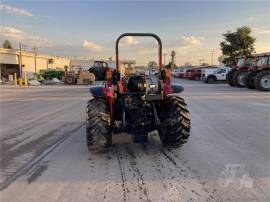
(139, 34)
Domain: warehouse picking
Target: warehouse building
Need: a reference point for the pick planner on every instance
(20, 62)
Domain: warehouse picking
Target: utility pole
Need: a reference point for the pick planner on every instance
(35, 50)
(212, 54)
(20, 59)
(24, 47)
(172, 55)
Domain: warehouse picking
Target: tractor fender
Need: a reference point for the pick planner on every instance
(97, 91)
(100, 91)
(177, 88)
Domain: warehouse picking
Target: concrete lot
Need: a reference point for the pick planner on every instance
(44, 157)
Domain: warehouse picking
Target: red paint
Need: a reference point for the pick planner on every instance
(167, 87)
(108, 91)
(194, 73)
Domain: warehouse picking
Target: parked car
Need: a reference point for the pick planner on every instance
(194, 74)
(153, 72)
(186, 73)
(150, 72)
(175, 72)
(181, 74)
(213, 75)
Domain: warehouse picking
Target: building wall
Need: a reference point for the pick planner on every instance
(7, 58)
(84, 64)
(42, 63)
(11, 56)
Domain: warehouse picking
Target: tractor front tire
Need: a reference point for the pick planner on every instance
(175, 123)
(262, 81)
(98, 130)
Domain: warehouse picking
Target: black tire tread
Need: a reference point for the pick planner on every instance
(98, 130)
(257, 79)
(68, 77)
(175, 128)
(236, 74)
(211, 80)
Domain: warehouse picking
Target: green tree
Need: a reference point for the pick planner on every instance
(7, 44)
(237, 44)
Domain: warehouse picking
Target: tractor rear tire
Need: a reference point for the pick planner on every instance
(229, 78)
(98, 129)
(240, 78)
(262, 81)
(175, 126)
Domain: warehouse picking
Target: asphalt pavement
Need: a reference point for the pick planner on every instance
(44, 155)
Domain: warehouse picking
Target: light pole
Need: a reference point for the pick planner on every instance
(20, 59)
(212, 54)
(164, 58)
(173, 55)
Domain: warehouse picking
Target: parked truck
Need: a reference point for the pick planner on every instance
(194, 74)
(212, 75)
(185, 75)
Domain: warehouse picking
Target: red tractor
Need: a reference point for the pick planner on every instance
(259, 74)
(237, 75)
(137, 104)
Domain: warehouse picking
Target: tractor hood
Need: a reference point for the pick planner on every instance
(97, 91)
